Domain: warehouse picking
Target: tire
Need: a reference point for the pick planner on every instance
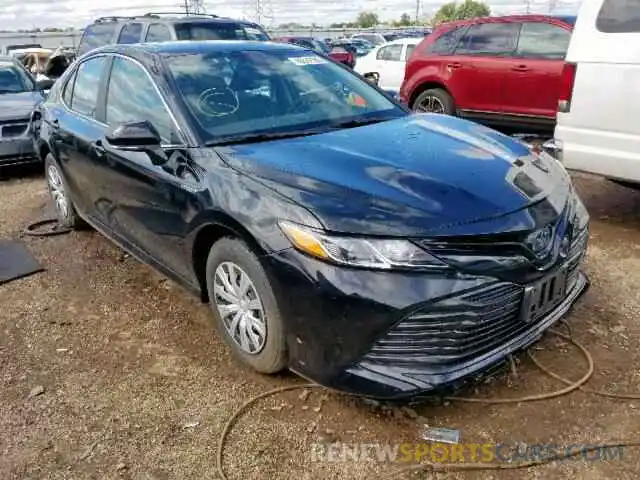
(437, 96)
(67, 216)
(271, 356)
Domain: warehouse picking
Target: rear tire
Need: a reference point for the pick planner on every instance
(59, 191)
(244, 306)
(434, 100)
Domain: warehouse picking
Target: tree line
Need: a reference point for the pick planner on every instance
(448, 12)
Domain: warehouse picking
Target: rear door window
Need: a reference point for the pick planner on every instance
(158, 32)
(391, 53)
(130, 33)
(619, 16)
(543, 40)
(446, 43)
(97, 35)
(84, 99)
(489, 39)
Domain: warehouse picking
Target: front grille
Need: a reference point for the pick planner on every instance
(453, 330)
(14, 130)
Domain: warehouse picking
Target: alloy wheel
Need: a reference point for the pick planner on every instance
(431, 104)
(240, 307)
(58, 193)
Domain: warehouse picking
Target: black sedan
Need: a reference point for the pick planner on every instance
(331, 231)
(19, 94)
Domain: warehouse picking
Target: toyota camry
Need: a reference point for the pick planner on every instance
(331, 231)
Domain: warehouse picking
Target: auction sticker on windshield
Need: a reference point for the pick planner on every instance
(302, 61)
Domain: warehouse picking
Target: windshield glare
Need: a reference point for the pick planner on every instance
(219, 31)
(249, 92)
(14, 80)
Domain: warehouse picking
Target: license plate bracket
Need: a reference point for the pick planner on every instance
(542, 297)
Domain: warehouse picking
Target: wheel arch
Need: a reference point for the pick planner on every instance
(209, 233)
(424, 86)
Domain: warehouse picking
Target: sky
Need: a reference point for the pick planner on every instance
(24, 14)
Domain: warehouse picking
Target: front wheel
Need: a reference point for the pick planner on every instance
(244, 306)
(65, 210)
(434, 100)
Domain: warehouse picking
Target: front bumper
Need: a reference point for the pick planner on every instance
(357, 330)
(16, 149)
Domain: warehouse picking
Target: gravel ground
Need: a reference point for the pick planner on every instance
(109, 371)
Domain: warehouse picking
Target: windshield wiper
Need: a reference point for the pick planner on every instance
(359, 122)
(263, 137)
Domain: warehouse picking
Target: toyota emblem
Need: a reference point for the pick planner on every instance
(540, 241)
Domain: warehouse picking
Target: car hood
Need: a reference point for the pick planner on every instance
(18, 105)
(414, 175)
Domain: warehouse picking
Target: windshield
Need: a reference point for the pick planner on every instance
(13, 79)
(219, 31)
(243, 93)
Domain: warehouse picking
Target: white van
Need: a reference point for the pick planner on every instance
(598, 127)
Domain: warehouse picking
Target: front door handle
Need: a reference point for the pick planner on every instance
(454, 65)
(521, 68)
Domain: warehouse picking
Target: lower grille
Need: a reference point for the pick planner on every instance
(12, 131)
(453, 330)
(456, 329)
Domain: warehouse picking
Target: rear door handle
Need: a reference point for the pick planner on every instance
(521, 68)
(454, 65)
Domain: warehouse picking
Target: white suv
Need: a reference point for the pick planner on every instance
(598, 127)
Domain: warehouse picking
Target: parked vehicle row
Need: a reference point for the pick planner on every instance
(332, 231)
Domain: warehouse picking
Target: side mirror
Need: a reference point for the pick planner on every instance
(44, 85)
(372, 77)
(137, 137)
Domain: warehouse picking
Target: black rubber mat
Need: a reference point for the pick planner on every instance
(16, 261)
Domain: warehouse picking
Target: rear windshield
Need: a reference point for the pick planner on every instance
(219, 31)
(97, 35)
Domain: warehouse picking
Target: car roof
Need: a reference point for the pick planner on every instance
(505, 18)
(143, 50)
(171, 18)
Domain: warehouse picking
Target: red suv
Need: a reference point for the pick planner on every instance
(500, 70)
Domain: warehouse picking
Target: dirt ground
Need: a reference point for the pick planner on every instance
(108, 371)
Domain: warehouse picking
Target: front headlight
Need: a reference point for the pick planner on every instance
(359, 252)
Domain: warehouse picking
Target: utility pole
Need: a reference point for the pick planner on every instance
(193, 7)
(262, 12)
(417, 11)
(528, 5)
(552, 5)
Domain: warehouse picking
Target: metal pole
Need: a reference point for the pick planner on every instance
(186, 6)
(417, 11)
